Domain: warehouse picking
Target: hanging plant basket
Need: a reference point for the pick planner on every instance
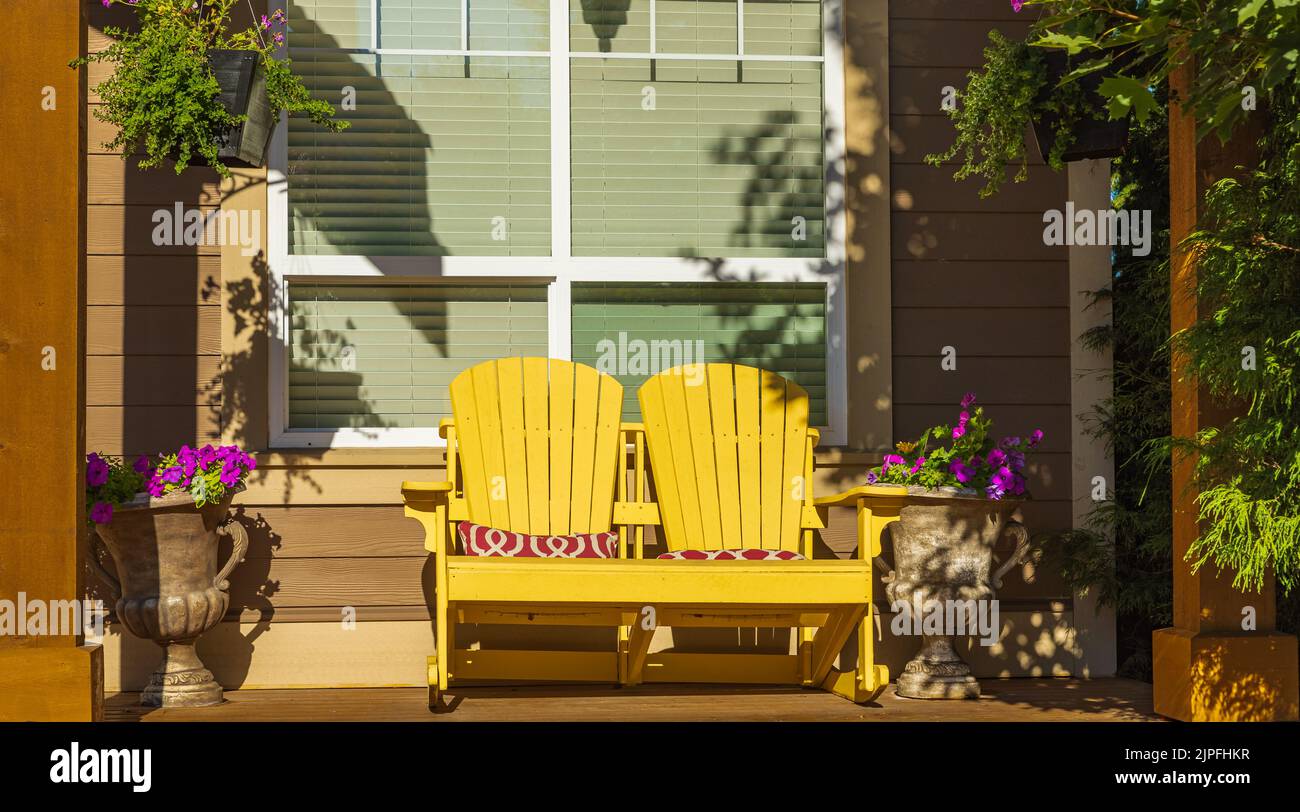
(243, 93)
(1093, 137)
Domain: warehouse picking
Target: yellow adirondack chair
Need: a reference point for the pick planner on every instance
(537, 446)
(731, 456)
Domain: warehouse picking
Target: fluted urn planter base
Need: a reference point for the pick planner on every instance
(937, 672)
(181, 681)
(169, 588)
(943, 555)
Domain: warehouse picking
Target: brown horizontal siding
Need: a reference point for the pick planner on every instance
(945, 43)
(918, 187)
(115, 279)
(153, 318)
(120, 430)
(331, 532)
(978, 283)
(332, 582)
(981, 332)
(112, 179)
(119, 229)
(153, 330)
(973, 273)
(998, 381)
(972, 235)
(152, 380)
(940, 10)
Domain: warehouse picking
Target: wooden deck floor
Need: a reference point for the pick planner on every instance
(1023, 700)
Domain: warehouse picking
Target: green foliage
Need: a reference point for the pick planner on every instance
(1247, 469)
(999, 103)
(109, 483)
(1234, 43)
(972, 460)
(162, 94)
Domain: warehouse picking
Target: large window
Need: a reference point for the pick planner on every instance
(628, 183)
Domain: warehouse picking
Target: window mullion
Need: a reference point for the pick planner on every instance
(558, 293)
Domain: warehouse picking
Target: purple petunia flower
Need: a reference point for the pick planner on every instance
(1035, 438)
(996, 458)
(230, 474)
(96, 470)
(1016, 459)
(142, 464)
(872, 478)
(961, 470)
(1017, 5)
(101, 513)
(916, 466)
(968, 401)
(1009, 442)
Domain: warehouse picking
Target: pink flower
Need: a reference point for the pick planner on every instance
(96, 470)
(101, 513)
(968, 401)
(916, 466)
(142, 464)
(1016, 5)
(961, 470)
(1035, 438)
(892, 459)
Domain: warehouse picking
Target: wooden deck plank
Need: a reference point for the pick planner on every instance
(1022, 700)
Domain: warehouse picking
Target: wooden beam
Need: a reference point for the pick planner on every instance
(1206, 667)
(43, 677)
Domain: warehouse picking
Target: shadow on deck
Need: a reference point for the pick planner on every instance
(1019, 700)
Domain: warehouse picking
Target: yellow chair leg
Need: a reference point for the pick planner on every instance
(435, 694)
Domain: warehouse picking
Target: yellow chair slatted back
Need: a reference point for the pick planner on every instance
(728, 449)
(539, 445)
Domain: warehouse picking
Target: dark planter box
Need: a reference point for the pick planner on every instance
(1094, 138)
(243, 92)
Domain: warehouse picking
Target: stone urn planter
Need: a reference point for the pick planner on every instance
(943, 551)
(169, 588)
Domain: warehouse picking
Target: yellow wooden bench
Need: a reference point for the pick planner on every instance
(537, 446)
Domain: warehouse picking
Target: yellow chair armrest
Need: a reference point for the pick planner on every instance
(427, 503)
(893, 493)
(424, 491)
(443, 425)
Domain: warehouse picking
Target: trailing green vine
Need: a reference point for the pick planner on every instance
(162, 96)
(1000, 102)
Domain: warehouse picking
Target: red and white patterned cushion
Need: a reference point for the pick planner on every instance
(475, 539)
(733, 555)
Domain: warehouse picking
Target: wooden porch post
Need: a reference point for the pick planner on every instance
(43, 677)
(1207, 667)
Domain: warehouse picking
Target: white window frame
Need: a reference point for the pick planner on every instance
(561, 269)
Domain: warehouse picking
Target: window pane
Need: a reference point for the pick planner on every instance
(687, 158)
(633, 330)
(609, 26)
(329, 24)
(422, 24)
(445, 155)
(375, 356)
(508, 25)
(695, 26)
(783, 27)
